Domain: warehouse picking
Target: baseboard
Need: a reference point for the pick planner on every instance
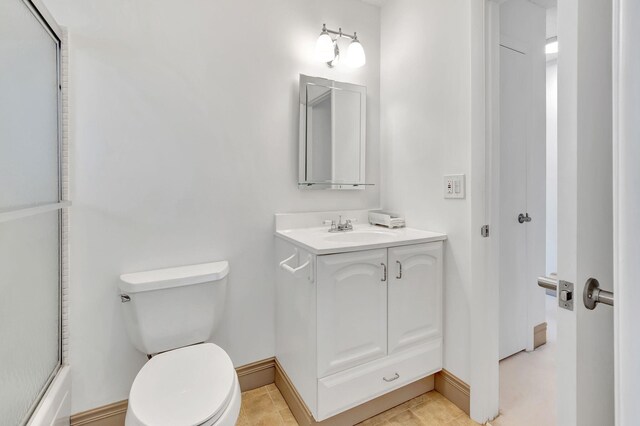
(250, 376)
(539, 335)
(107, 415)
(454, 389)
(356, 414)
(257, 374)
(262, 373)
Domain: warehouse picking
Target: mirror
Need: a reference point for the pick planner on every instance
(332, 134)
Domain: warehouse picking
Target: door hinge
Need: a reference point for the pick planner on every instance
(484, 231)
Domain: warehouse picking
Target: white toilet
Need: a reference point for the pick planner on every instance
(169, 313)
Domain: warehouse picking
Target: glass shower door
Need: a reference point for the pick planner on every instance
(30, 209)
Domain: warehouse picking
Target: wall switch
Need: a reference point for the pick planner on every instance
(454, 186)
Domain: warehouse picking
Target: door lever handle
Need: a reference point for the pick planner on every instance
(593, 295)
(524, 218)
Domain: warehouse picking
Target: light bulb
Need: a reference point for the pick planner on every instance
(355, 55)
(324, 47)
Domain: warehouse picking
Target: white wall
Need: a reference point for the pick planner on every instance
(552, 166)
(184, 130)
(425, 133)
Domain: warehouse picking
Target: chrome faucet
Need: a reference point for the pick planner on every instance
(341, 227)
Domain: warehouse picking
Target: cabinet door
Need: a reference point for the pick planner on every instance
(352, 309)
(415, 295)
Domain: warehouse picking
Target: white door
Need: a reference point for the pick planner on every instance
(515, 104)
(585, 362)
(415, 295)
(626, 124)
(352, 309)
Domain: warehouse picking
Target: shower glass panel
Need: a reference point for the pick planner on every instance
(30, 209)
(28, 109)
(29, 314)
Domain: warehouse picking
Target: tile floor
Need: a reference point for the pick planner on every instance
(527, 395)
(265, 406)
(528, 382)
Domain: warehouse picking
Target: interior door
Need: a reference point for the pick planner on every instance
(352, 309)
(626, 100)
(415, 295)
(585, 363)
(515, 89)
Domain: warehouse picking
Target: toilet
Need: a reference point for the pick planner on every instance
(169, 315)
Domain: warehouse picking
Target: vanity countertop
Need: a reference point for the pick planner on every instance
(319, 241)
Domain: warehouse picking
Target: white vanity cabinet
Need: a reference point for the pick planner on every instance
(351, 326)
(414, 295)
(352, 309)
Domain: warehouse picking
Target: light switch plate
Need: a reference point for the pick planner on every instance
(454, 186)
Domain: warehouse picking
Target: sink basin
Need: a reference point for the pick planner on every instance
(360, 237)
(316, 240)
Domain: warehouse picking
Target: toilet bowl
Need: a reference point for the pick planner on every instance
(192, 386)
(168, 314)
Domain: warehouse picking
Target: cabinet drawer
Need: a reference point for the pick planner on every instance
(352, 387)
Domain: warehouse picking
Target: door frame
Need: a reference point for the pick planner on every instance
(485, 178)
(485, 201)
(626, 104)
(485, 184)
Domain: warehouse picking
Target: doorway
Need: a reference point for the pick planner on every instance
(527, 318)
(587, 169)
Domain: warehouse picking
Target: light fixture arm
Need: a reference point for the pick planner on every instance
(339, 33)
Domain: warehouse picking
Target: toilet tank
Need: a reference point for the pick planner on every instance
(170, 308)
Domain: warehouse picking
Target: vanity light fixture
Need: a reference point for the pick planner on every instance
(327, 49)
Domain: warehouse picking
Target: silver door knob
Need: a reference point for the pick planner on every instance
(524, 218)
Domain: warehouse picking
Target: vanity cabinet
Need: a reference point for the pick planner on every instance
(352, 309)
(414, 295)
(353, 326)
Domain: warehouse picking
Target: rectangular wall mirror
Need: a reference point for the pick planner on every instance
(332, 134)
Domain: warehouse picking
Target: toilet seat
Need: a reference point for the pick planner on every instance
(190, 386)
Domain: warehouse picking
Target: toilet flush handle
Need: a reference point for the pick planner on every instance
(124, 298)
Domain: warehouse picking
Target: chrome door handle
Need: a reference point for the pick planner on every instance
(593, 295)
(395, 377)
(399, 276)
(548, 283)
(384, 273)
(524, 218)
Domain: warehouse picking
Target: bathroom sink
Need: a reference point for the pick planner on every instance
(317, 240)
(360, 237)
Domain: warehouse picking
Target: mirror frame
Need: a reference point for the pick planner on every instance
(303, 182)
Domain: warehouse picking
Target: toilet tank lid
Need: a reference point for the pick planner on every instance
(173, 277)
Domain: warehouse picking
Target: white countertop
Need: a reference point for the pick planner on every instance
(318, 240)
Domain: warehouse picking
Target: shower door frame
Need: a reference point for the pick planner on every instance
(49, 401)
